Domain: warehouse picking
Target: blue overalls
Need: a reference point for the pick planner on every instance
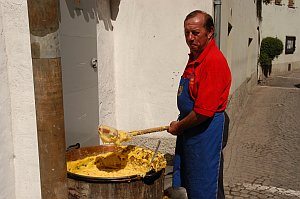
(198, 150)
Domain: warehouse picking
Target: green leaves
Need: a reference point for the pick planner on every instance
(264, 59)
(271, 46)
(267, 1)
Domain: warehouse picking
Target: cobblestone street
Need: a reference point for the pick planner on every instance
(262, 156)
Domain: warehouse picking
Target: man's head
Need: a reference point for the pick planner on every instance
(199, 30)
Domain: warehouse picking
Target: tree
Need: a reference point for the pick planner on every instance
(270, 48)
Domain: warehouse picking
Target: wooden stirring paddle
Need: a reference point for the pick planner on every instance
(111, 135)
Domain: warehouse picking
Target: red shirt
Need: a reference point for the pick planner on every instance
(210, 81)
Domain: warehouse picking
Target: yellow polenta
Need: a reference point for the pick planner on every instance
(127, 161)
(122, 136)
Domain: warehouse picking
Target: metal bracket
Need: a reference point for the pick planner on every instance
(94, 63)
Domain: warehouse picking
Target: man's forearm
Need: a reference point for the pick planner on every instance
(191, 120)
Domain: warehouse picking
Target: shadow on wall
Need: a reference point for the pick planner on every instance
(103, 10)
(226, 130)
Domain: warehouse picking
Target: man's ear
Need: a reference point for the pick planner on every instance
(211, 33)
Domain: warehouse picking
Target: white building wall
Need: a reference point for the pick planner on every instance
(142, 54)
(241, 57)
(106, 68)
(19, 170)
(78, 45)
(150, 55)
(7, 187)
(281, 21)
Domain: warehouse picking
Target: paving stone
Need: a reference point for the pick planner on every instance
(244, 195)
(235, 193)
(245, 191)
(262, 196)
(253, 193)
(235, 189)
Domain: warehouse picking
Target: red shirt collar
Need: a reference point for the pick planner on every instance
(191, 65)
(203, 54)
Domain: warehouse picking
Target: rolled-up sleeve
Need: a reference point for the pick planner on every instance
(211, 87)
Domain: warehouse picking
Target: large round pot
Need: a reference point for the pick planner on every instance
(127, 187)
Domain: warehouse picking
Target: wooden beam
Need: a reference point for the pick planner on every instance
(44, 30)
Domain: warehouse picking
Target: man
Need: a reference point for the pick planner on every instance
(201, 99)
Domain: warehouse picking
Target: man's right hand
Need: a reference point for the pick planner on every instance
(174, 128)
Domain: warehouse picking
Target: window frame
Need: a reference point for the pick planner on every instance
(278, 2)
(291, 49)
(291, 3)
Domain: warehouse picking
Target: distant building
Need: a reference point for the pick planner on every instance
(280, 18)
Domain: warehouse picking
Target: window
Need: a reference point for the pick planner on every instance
(249, 40)
(229, 28)
(290, 44)
(277, 2)
(291, 4)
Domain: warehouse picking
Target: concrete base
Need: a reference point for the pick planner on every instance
(169, 191)
(238, 99)
(285, 67)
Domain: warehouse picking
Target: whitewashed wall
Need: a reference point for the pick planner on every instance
(241, 57)
(144, 62)
(19, 169)
(281, 21)
(78, 45)
(106, 67)
(7, 189)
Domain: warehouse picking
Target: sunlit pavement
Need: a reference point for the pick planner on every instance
(262, 156)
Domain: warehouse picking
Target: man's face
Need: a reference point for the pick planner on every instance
(196, 36)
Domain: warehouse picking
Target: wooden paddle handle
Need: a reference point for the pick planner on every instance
(151, 130)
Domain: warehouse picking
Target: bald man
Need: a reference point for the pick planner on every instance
(201, 99)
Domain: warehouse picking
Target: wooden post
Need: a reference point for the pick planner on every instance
(44, 36)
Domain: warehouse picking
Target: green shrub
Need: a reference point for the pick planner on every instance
(269, 49)
(267, 1)
(264, 59)
(271, 46)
